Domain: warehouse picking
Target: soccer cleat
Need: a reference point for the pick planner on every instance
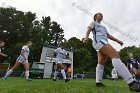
(54, 79)
(66, 80)
(4, 78)
(100, 85)
(135, 87)
(28, 79)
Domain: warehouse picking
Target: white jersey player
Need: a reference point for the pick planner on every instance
(60, 54)
(105, 50)
(22, 59)
(100, 35)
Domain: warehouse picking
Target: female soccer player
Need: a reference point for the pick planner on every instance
(60, 54)
(69, 70)
(1, 46)
(104, 50)
(134, 65)
(22, 59)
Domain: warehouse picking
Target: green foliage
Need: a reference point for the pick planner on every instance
(75, 43)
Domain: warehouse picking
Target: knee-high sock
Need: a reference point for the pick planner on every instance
(63, 73)
(99, 73)
(27, 74)
(122, 70)
(55, 74)
(8, 73)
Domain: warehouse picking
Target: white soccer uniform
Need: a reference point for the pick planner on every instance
(99, 35)
(26, 53)
(60, 55)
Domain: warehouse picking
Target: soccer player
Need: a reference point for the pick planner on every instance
(1, 46)
(22, 59)
(105, 50)
(133, 64)
(69, 70)
(60, 53)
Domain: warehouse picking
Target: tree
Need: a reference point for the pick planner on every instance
(74, 43)
(83, 60)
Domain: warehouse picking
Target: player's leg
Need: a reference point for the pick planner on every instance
(26, 66)
(17, 64)
(63, 72)
(56, 72)
(100, 68)
(120, 67)
(60, 65)
(69, 75)
(136, 72)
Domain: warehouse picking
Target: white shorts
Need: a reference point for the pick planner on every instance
(97, 46)
(59, 61)
(20, 59)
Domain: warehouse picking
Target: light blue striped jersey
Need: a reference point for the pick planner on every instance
(99, 32)
(60, 53)
(26, 51)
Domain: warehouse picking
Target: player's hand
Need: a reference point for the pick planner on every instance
(25, 59)
(85, 40)
(4, 55)
(70, 59)
(120, 42)
(51, 59)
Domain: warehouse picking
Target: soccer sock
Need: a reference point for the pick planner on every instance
(27, 74)
(63, 73)
(122, 70)
(99, 73)
(55, 74)
(8, 73)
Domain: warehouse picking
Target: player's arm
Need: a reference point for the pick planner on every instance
(2, 54)
(22, 53)
(89, 29)
(114, 39)
(138, 63)
(128, 65)
(67, 56)
(54, 54)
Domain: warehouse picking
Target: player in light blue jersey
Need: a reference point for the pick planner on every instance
(105, 50)
(22, 59)
(60, 54)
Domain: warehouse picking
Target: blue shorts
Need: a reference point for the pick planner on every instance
(134, 68)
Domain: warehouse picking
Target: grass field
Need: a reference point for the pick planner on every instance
(20, 85)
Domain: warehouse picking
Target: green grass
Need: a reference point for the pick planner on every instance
(20, 85)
